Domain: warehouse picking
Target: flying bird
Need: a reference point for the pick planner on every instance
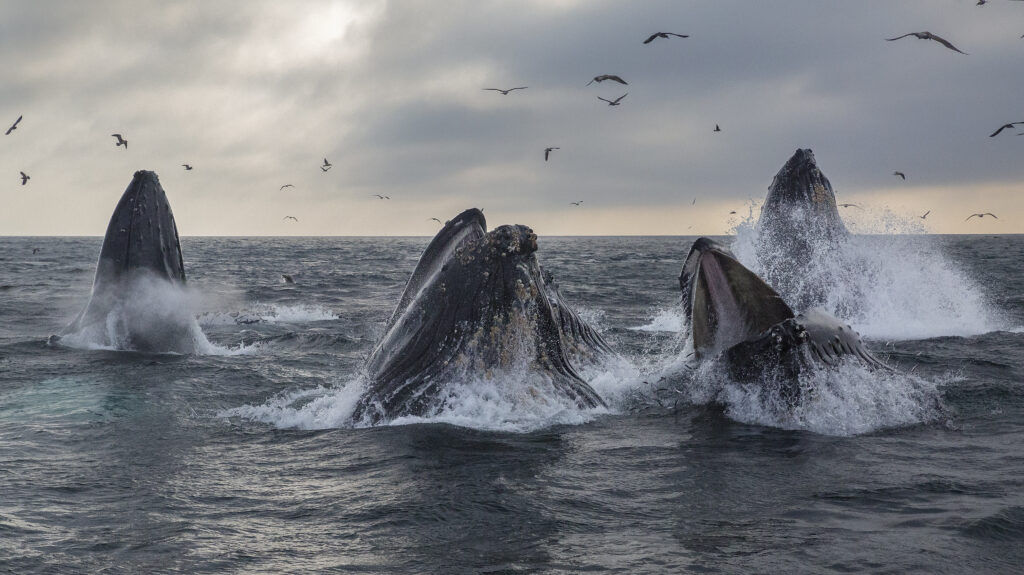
(24, 178)
(614, 102)
(188, 167)
(285, 186)
(436, 220)
(576, 203)
(925, 216)
(694, 202)
(327, 165)
(547, 152)
(13, 127)
(850, 206)
(1004, 127)
(664, 35)
(505, 92)
(120, 141)
(604, 77)
(981, 215)
(290, 218)
(717, 129)
(929, 36)
(900, 174)
(287, 279)
(382, 197)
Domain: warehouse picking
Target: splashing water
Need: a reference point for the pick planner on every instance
(513, 401)
(843, 400)
(268, 313)
(667, 320)
(887, 286)
(153, 315)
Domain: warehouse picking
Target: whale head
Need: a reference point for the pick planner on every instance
(137, 302)
(801, 200)
(476, 304)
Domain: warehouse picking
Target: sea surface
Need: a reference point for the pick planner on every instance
(243, 458)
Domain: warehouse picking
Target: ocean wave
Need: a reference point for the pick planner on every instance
(666, 320)
(268, 313)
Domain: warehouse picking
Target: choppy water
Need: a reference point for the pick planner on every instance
(242, 459)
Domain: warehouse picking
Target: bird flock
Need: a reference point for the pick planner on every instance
(122, 142)
(614, 78)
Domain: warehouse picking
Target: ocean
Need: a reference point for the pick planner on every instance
(243, 458)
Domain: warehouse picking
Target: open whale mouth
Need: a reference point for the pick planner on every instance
(725, 302)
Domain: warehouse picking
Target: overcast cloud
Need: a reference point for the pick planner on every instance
(255, 94)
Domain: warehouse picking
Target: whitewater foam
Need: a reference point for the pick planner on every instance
(665, 320)
(268, 313)
(517, 401)
(844, 400)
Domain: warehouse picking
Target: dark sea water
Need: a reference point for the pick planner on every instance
(242, 459)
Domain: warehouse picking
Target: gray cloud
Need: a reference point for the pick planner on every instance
(255, 94)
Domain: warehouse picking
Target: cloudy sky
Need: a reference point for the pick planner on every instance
(255, 94)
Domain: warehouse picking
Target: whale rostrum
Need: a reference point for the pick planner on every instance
(141, 254)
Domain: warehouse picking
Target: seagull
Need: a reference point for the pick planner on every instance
(717, 129)
(547, 152)
(694, 202)
(1003, 127)
(850, 206)
(981, 2)
(288, 279)
(24, 178)
(505, 92)
(664, 35)
(188, 167)
(34, 250)
(925, 216)
(900, 174)
(382, 197)
(290, 218)
(13, 127)
(929, 36)
(285, 186)
(604, 77)
(437, 220)
(327, 165)
(120, 141)
(614, 102)
(576, 203)
(732, 212)
(981, 215)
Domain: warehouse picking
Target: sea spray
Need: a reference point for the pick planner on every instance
(886, 286)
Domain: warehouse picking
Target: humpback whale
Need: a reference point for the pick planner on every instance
(477, 303)
(141, 256)
(736, 316)
(799, 228)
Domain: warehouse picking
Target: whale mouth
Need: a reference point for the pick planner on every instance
(724, 301)
(476, 305)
